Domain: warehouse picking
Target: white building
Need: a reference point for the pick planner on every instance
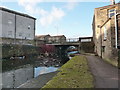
(16, 27)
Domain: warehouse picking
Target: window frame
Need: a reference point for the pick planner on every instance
(111, 12)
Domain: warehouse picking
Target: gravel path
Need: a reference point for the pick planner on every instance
(105, 75)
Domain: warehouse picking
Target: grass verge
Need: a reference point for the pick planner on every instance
(112, 62)
(74, 74)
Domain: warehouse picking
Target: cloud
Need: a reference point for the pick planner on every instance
(46, 17)
(42, 12)
(50, 17)
(71, 5)
(30, 5)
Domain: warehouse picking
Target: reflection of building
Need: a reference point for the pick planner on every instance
(14, 78)
(105, 31)
(17, 28)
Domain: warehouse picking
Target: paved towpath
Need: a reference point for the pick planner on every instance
(105, 75)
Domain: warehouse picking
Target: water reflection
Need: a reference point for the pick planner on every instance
(43, 70)
(14, 78)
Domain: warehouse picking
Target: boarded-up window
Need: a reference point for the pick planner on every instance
(105, 33)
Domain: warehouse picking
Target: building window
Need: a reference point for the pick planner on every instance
(29, 27)
(111, 13)
(9, 22)
(85, 40)
(105, 33)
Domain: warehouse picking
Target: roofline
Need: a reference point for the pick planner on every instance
(104, 7)
(42, 35)
(18, 13)
(85, 37)
(58, 35)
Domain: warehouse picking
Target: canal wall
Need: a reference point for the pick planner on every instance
(9, 50)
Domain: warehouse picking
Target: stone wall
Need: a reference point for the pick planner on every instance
(9, 50)
(87, 47)
(17, 41)
(104, 48)
(108, 43)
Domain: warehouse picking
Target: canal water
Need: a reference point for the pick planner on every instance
(43, 70)
(17, 76)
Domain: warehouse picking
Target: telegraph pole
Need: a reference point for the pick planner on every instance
(56, 26)
(112, 2)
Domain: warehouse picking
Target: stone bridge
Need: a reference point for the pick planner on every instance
(85, 44)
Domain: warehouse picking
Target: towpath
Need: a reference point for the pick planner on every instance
(105, 75)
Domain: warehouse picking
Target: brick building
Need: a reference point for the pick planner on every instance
(16, 28)
(106, 31)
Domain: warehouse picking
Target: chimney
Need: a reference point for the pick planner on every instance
(112, 2)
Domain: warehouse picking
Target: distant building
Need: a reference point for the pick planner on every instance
(57, 39)
(17, 28)
(106, 31)
(47, 39)
(41, 39)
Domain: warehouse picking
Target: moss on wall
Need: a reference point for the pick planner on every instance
(9, 50)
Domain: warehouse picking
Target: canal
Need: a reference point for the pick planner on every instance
(17, 72)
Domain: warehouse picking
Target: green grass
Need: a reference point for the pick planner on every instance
(112, 62)
(74, 74)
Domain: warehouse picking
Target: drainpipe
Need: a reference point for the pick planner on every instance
(116, 27)
(112, 2)
(15, 31)
(101, 40)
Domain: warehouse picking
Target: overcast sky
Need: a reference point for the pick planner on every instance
(72, 19)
